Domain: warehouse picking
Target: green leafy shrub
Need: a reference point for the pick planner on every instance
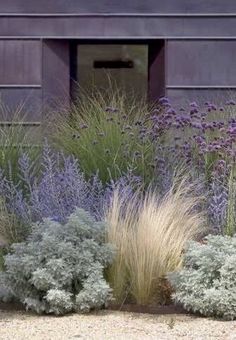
(59, 269)
(207, 282)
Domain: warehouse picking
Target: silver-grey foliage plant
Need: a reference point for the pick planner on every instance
(59, 269)
(207, 282)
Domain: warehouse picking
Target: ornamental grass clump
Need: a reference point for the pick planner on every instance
(150, 234)
(106, 132)
(15, 138)
(207, 282)
(59, 268)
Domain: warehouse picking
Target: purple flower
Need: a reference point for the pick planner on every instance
(194, 105)
(171, 111)
(231, 102)
(164, 100)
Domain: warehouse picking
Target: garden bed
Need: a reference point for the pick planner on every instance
(131, 308)
(154, 309)
(112, 325)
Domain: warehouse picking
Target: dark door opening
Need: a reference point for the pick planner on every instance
(136, 67)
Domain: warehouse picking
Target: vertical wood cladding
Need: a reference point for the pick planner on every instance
(156, 70)
(20, 78)
(56, 72)
(196, 62)
(204, 69)
(20, 62)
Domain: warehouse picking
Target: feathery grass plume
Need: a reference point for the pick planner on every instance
(150, 235)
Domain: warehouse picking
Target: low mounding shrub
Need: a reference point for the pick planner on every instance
(150, 234)
(207, 282)
(59, 269)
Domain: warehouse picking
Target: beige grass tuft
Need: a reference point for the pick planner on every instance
(150, 241)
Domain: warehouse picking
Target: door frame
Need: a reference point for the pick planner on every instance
(156, 62)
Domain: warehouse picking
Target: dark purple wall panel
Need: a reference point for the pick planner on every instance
(189, 61)
(182, 97)
(56, 72)
(20, 62)
(29, 100)
(121, 6)
(117, 27)
(156, 70)
(201, 63)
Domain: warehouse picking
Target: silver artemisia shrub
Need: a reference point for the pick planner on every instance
(207, 282)
(59, 269)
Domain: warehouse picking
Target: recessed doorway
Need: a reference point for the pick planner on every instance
(138, 68)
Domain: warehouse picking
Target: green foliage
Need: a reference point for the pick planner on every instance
(1, 260)
(207, 282)
(11, 229)
(230, 227)
(15, 138)
(103, 132)
(59, 269)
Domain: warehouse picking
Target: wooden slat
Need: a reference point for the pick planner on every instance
(56, 73)
(201, 63)
(122, 6)
(26, 102)
(20, 63)
(117, 27)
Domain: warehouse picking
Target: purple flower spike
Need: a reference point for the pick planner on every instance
(231, 102)
(193, 111)
(194, 104)
(171, 111)
(213, 107)
(164, 100)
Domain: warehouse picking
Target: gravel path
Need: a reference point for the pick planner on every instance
(104, 325)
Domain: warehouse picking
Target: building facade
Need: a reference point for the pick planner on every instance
(184, 49)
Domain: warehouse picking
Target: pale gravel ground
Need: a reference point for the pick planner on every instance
(112, 325)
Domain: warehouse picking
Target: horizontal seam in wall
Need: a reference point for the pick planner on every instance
(183, 87)
(137, 37)
(104, 15)
(20, 123)
(21, 86)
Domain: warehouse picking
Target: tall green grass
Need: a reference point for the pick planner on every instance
(230, 227)
(15, 138)
(99, 129)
